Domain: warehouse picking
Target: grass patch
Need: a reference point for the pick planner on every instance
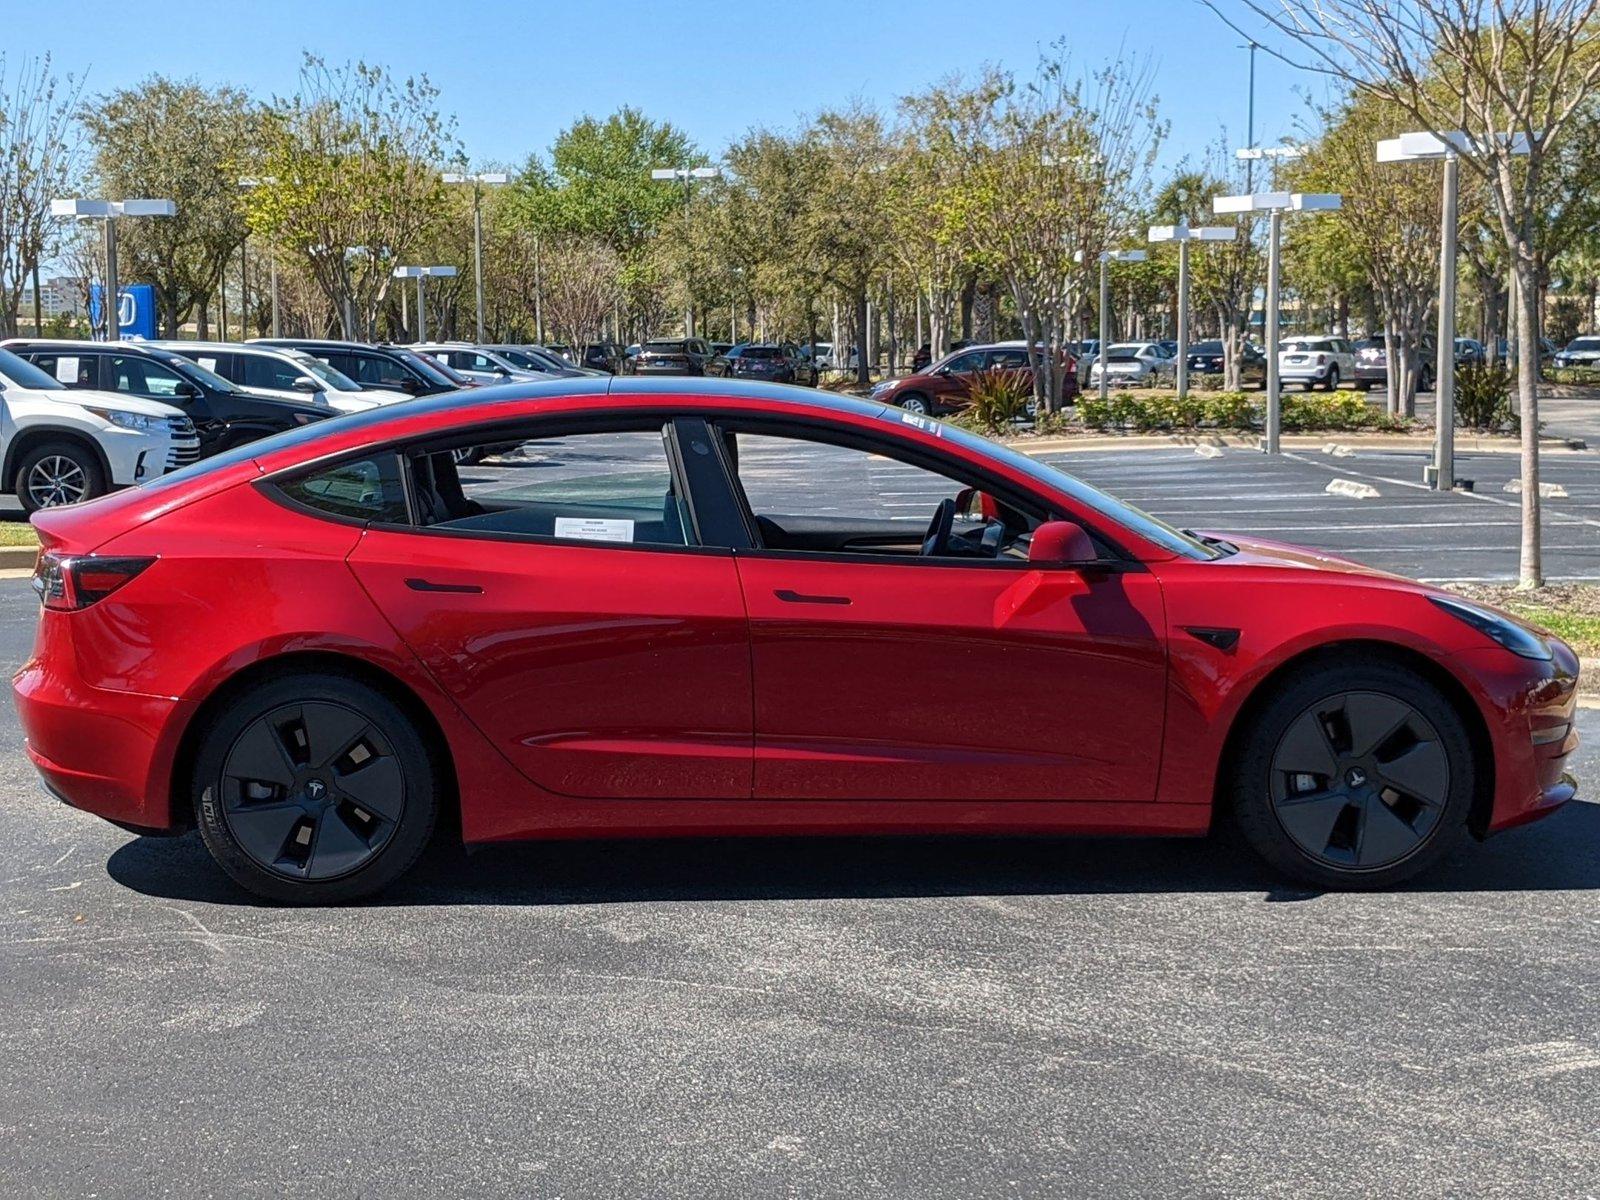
(17, 533)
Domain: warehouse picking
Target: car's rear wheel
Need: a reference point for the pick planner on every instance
(916, 402)
(1358, 774)
(1333, 379)
(58, 473)
(314, 788)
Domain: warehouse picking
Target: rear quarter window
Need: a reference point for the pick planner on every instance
(363, 489)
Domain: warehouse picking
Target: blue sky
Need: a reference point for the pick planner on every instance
(516, 73)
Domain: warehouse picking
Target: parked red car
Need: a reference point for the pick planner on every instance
(944, 387)
(316, 646)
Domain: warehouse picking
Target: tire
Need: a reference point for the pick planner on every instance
(1333, 378)
(1371, 815)
(266, 820)
(1308, 385)
(917, 403)
(57, 473)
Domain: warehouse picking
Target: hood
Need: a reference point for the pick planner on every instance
(1264, 553)
(90, 398)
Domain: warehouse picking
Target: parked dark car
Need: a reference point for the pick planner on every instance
(392, 368)
(1209, 358)
(944, 387)
(1470, 351)
(224, 414)
(672, 356)
(1372, 364)
(774, 362)
(596, 356)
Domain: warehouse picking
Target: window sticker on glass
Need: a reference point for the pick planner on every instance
(67, 369)
(926, 424)
(209, 364)
(594, 529)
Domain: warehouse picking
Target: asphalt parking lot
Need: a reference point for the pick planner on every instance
(1406, 528)
(919, 1018)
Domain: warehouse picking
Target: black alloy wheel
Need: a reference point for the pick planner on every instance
(314, 788)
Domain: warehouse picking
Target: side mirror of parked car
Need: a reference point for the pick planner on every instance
(413, 386)
(1061, 542)
(304, 384)
(186, 389)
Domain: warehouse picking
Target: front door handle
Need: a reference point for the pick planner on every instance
(792, 597)
(428, 585)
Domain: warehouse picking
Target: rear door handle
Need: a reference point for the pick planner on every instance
(428, 585)
(792, 597)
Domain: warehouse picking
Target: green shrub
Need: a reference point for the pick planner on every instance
(1208, 383)
(1337, 410)
(1094, 412)
(1483, 397)
(1575, 376)
(999, 397)
(1229, 410)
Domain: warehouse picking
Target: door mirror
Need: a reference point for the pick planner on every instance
(412, 385)
(1061, 542)
(186, 389)
(306, 384)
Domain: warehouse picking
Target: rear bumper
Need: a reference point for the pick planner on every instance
(1301, 373)
(105, 752)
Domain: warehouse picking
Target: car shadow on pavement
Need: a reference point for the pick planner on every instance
(1560, 853)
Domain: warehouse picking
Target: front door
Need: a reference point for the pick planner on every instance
(884, 672)
(557, 591)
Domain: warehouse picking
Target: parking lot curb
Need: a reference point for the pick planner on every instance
(12, 557)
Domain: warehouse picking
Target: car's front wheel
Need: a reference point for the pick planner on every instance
(314, 788)
(916, 402)
(57, 473)
(1356, 774)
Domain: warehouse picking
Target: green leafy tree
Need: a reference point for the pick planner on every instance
(349, 184)
(178, 140)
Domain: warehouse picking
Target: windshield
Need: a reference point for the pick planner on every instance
(337, 380)
(1305, 344)
(1206, 348)
(1152, 529)
(664, 347)
(518, 358)
(431, 369)
(22, 373)
(1584, 344)
(195, 373)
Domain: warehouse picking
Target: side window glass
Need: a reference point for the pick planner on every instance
(870, 503)
(263, 372)
(141, 377)
(1008, 360)
(614, 487)
(966, 364)
(74, 370)
(367, 489)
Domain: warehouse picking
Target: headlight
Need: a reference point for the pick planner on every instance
(131, 420)
(879, 388)
(1520, 641)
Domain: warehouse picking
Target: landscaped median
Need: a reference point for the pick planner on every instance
(19, 545)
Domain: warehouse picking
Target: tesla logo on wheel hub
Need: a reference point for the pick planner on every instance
(1356, 777)
(316, 789)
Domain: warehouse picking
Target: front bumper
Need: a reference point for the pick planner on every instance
(1531, 709)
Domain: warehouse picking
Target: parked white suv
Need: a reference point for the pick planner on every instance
(283, 373)
(1310, 361)
(59, 445)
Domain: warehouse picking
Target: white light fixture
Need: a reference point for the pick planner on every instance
(1275, 204)
(1183, 234)
(420, 274)
(110, 211)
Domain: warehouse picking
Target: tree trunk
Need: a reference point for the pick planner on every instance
(1531, 567)
(863, 365)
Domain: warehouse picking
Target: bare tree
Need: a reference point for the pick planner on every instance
(1500, 71)
(581, 285)
(38, 157)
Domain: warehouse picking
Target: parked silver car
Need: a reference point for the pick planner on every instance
(1139, 364)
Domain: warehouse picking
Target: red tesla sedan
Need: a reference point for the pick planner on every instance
(673, 607)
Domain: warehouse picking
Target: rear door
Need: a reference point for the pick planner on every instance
(565, 594)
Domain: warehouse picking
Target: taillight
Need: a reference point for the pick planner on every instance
(67, 583)
(1322, 359)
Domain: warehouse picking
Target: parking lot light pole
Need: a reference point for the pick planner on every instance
(1107, 257)
(110, 212)
(1275, 204)
(686, 176)
(478, 182)
(1183, 235)
(253, 181)
(1427, 147)
(420, 274)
